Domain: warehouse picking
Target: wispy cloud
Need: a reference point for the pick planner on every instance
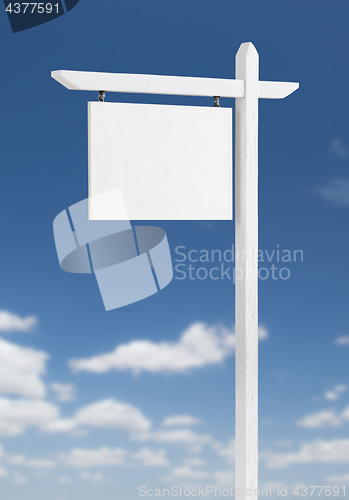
(227, 451)
(319, 451)
(344, 479)
(21, 369)
(221, 478)
(343, 340)
(283, 443)
(64, 392)
(335, 191)
(36, 463)
(19, 479)
(263, 333)
(80, 457)
(113, 414)
(193, 441)
(339, 149)
(327, 418)
(18, 414)
(150, 458)
(103, 457)
(64, 480)
(10, 322)
(179, 420)
(107, 414)
(3, 472)
(187, 472)
(200, 345)
(334, 394)
(195, 462)
(224, 478)
(97, 478)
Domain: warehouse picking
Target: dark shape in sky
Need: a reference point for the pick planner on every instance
(70, 4)
(23, 16)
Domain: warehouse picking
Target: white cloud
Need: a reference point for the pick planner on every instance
(60, 425)
(113, 415)
(224, 479)
(10, 322)
(184, 420)
(151, 458)
(191, 440)
(340, 388)
(79, 433)
(263, 333)
(17, 415)
(339, 149)
(336, 192)
(35, 463)
(87, 476)
(345, 413)
(64, 392)
(3, 472)
(198, 346)
(42, 474)
(187, 472)
(228, 451)
(344, 340)
(335, 393)
(283, 443)
(102, 457)
(331, 395)
(319, 451)
(276, 485)
(266, 421)
(327, 418)
(109, 414)
(79, 457)
(64, 480)
(20, 370)
(20, 479)
(338, 479)
(195, 462)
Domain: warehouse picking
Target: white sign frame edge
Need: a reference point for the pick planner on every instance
(169, 85)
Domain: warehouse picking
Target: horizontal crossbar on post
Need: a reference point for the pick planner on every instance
(169, 85)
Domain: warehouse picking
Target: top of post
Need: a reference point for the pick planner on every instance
(247, 49)
(247, 62)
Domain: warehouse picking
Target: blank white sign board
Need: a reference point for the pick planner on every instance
(169, 162)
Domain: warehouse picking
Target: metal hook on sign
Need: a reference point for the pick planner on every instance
(101, 95)
(216, 101)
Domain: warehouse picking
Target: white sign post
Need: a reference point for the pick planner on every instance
(247, 89)
(246, 274)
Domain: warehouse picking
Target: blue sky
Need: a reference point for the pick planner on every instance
(115, 433)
